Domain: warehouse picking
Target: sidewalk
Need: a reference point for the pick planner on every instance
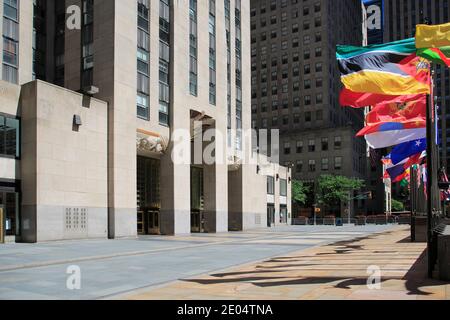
(337, 271)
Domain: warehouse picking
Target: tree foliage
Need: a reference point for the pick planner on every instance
(299, 192)
(332, 190)
(397, 206)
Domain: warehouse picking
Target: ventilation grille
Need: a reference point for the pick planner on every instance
(258, 219)
(76, 220)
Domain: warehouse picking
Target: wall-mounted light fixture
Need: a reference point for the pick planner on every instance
(77, 120)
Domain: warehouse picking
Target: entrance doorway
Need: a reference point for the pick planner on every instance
(197, 201)
(148, 196)
(270, 215)
(9, 212)
(2, 226)
(283, 214)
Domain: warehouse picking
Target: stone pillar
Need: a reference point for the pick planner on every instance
(175, 181)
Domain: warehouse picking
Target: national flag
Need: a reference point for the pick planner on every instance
(392, 126)
(399, 169)
(391, 69)
(398, 112)
(433, 43)
(387, 139)
(408, 149)
(349, 98)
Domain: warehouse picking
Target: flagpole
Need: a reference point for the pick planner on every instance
(429, 184)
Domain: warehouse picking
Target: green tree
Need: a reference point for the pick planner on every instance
(299, 192)
(397, 206)
(332, 190)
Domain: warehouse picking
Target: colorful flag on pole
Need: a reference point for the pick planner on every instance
(349, 98)
(392, 126)
(408, 149)
(433, 43)
(391, 69)
(398, 112)
(387, 139)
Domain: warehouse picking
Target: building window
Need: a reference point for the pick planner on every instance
(164, 62)
(338, 163)
(337, 143)
(325, 165)
(270, 185)
(193, 89)
(312, 146)
(299, 146)
(299, 167)
(287, 148)
(143, 61)
(283, 187)
(212, 52)
(10, 41)
(324, 144)
(312, 165)
(9, 137)
(87, 40)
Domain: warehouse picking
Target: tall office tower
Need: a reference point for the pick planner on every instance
(380, 192)
(296, 84)
(400, 20)
(89, 152)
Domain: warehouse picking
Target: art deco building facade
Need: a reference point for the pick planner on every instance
(296, 84)
(88, 145)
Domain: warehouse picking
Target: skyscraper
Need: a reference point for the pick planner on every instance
(296, 84)
(88, 146)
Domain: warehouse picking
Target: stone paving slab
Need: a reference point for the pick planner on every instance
(330, 272)
(39, 271)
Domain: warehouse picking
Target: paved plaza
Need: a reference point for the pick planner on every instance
(281, 263)
(330, 272)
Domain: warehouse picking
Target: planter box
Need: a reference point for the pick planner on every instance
(300, 221)
(329, 221)
(360, 221)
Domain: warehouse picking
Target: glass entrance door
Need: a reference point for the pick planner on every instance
(153, 222)
(197, 201)
(9, 205)
(2, 226)
(283, 215)
(148, 196)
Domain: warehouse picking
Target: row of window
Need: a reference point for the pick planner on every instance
(193, 50)
(273, 7)
(284, 104)
(295, 43)
(284, 29)
(324, 165)
(238, 49)
(143, 60)
(325, 145)
(289, 119)
(10, 40)
(212, 51)
(271, 186)
(228, 40)
(164, 61)
(87, 39)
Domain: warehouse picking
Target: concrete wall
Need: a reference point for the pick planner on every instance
(64, 167)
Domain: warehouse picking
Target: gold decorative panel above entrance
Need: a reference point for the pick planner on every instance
(151, 143)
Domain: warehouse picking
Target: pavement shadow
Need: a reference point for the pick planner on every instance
(415, 279)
